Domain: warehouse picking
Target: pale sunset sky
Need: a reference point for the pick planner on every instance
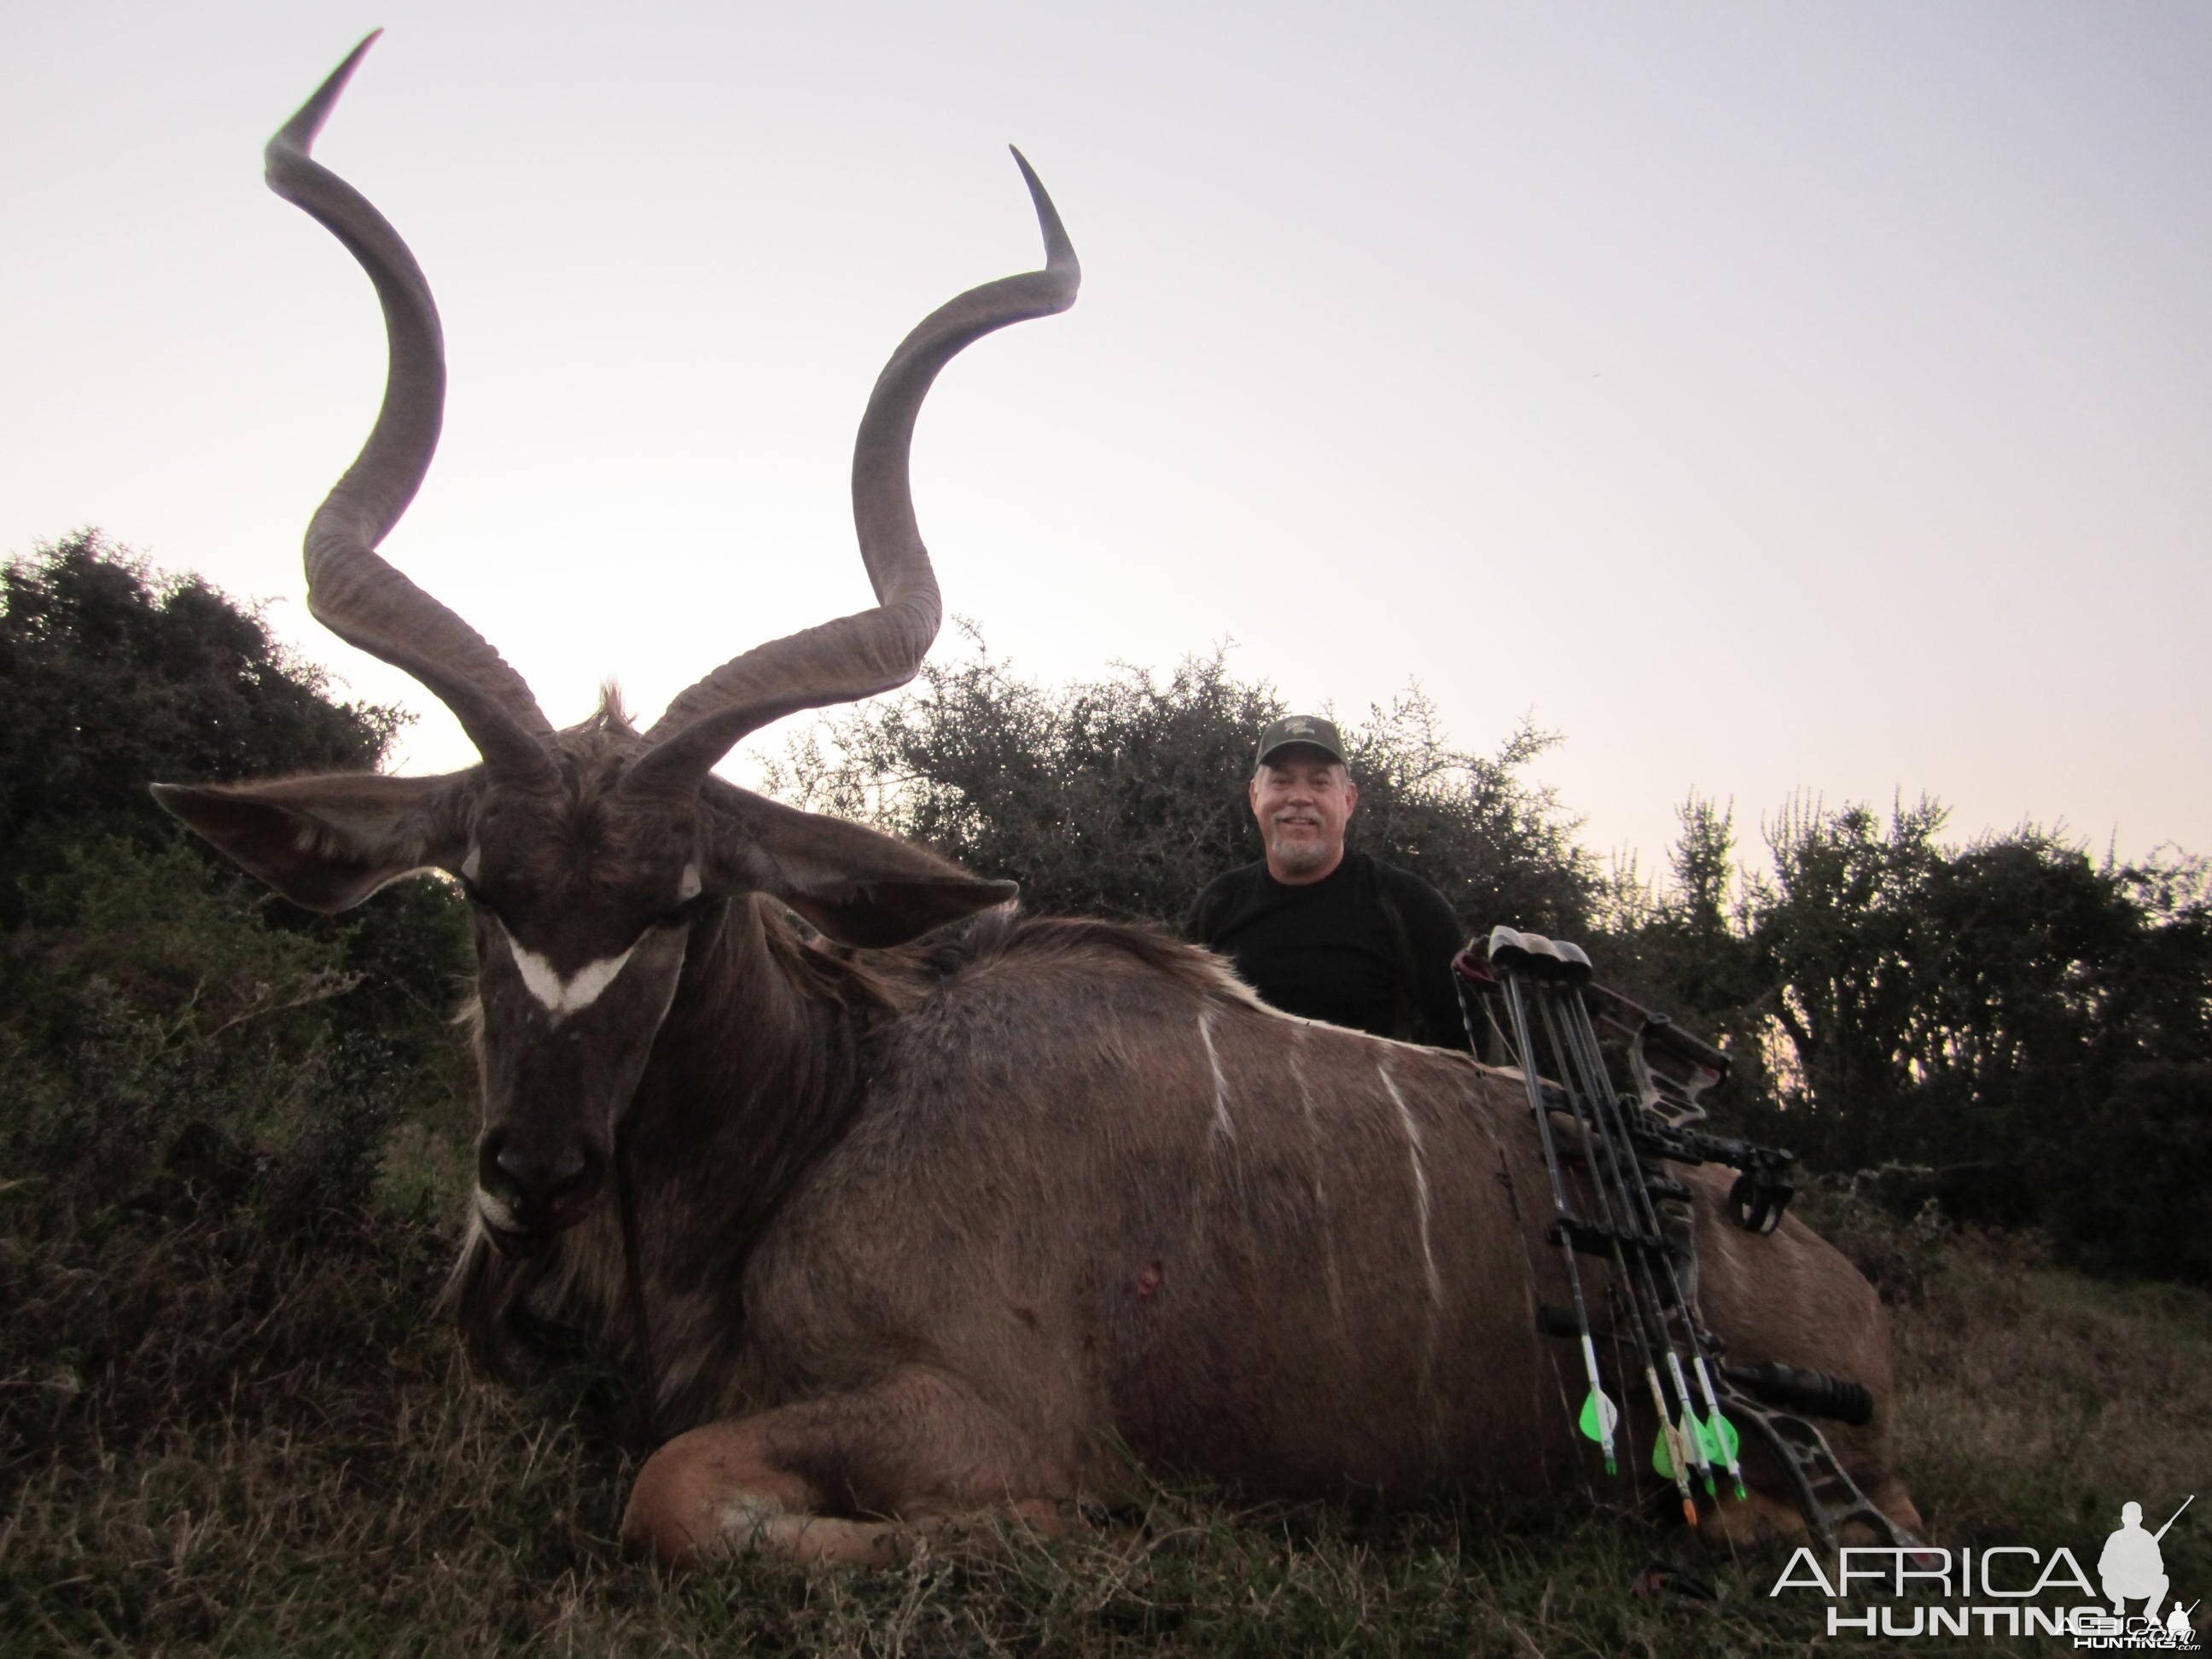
(1767, 396)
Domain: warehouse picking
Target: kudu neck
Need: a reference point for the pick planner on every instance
(755, 1074)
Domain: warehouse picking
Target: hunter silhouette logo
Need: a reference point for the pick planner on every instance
(2133, 1567)
(1995, 1590)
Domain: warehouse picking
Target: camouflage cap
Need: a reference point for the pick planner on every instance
(1309, 729)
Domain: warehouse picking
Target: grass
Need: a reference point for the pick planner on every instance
(216, 1440)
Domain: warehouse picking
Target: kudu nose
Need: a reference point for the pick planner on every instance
(547, 1187)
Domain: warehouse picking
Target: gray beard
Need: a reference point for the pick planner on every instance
(1300, 857)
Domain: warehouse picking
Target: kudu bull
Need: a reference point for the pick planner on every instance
(897, 1232)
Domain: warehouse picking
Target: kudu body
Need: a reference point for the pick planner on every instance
(897, 1232)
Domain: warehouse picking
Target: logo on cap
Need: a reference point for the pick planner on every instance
(1311, 729)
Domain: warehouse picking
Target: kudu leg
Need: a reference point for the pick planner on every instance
(853, 1479)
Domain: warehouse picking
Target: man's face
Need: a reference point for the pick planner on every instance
(1301, 799)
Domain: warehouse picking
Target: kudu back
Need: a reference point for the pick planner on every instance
(900, 1232)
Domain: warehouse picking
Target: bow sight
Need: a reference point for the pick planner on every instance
(1625, 1210)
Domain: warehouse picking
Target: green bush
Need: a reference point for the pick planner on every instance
(174, 1036)
(2030, 1024)
(167, 1049)
(1887, 1222)
(1123, 796)
(2130, 1191)
(114, 678)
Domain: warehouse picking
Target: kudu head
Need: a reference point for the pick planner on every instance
(593, 857)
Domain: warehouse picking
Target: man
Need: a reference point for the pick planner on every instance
(1319, 931)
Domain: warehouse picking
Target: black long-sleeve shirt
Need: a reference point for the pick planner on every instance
(1369, 945)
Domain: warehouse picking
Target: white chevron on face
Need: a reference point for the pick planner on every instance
(562, 996)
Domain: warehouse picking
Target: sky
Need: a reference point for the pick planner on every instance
(1766, 397)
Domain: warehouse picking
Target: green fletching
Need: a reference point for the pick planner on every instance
(1598, 1417)
(1711, 1443)
(1717, 1438)
(1722, 1442)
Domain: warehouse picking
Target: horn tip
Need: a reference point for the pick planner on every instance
(297, 136)
(1059, 251)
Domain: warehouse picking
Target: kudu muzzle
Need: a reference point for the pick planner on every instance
(557, 1083)
(539, 1188)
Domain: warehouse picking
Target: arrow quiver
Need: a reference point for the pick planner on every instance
(1626, 1211)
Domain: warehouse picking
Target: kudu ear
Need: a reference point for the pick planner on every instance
(857, 886)
(325, 844)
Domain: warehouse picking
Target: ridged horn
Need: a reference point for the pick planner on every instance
(351, 589)
(876, 650)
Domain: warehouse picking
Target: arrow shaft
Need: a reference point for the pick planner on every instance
(1646, 1322)
(1628, 1178)
(1683, 1445)
(1517, 1012)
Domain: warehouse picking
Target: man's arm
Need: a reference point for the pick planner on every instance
(1202, 925)
(1435, 936)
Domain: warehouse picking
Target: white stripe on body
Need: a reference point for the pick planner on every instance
(1222, 1125)
(1420, 1182)
(1425, 1393)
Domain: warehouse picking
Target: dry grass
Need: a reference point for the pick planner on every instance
(2035, 1401)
